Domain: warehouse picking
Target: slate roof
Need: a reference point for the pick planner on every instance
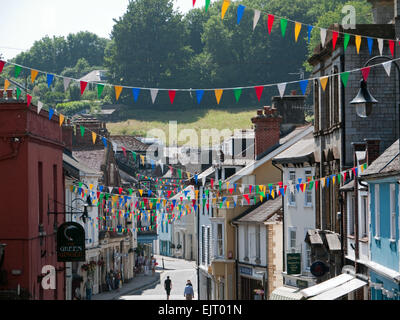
(268, 211)
(79, 165)
(130, 143)
(94, 76)
(302, 150)
(387, 163)
(91, 158)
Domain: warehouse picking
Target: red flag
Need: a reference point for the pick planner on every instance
(172, 94)
(120, 190)
(246, 196)
(208, 205)
(212, 183)
(259, 91)
(365, 72)
(124, 150)
(194, 1)
(285, 189)
(391, 47)
(98, 194)
(270, 22)
(28, 99)
(193, 202)
(334, 38)
(344, 176)
(231, 190)
(316, 184)
(303, 187)
(169, 193)
(2, 63)
(83, 86)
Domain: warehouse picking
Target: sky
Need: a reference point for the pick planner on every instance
(22, 22)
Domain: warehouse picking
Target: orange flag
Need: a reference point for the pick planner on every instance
(61, 117)
(218, 94)
(6, 84)
(94, 136)
(358, 43)
(118, 90)
(324, 81)
(297, 28)
(34, 74)
(225, 6)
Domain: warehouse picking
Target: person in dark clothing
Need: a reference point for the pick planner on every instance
(168, 286)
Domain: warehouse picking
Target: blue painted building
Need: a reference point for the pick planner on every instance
(164, 235)
(383, 177)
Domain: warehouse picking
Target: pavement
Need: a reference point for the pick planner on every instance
(150, 287)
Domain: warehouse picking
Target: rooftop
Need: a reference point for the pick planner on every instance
(301, 151)
(129, 143)
(268, 211)
(91, 158)
(388, 162)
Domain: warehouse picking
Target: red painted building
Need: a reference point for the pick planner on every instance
(31, 149)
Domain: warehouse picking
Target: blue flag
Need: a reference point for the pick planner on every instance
(50, 78)
(199, 94)
(303, 86)
(51, 112)
(104, 141)
(136, 92)
(370, 42)
(309, 28)
(240, 11)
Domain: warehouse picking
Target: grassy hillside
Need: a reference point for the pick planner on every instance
(141, 121)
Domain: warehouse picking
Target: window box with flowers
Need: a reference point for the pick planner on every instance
(89, 267)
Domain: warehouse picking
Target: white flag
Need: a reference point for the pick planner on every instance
(241, 188)
(387, 66)
(66, 83)
(39, 106)
(380, 45)
(323, 36)
(281, 88)
(110, 189)
(153, 93)
(256, 18)
(204, 181)
(115, 147)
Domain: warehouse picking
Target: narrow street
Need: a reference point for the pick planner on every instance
(179, 272)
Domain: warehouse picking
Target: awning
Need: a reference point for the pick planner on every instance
(286, 293)
(333, 288)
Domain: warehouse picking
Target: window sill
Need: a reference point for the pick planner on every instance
(292, 205)
(308, 206)
(377, 238)
(392, 240)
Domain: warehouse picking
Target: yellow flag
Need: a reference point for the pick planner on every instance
(225, 6)
(227, 204)
(323, 182)
(197, 193)
(218, 94)
(151, 205)
(188, 175)
(6, 84)
(90, 186)
(333, 179)
(358, 43)
(141, 192)
(297, 28)
(61, 117)
(324, 81)
(273, 194)
(94, 136)
(34, 74)
(261, 198)
(71, 188)
(227, 184)
(142, 158)
(118, 90)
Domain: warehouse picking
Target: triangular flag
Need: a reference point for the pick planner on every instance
(270, 22)
(118, 90)
(104, 141)
(18, 92)
(194, 1)
(50, 78)
(172, 94)
(365, 72)
(67, 81)
(283, 26)
(83, 86)
(136, 92)
(323, 81)
(309, 29)
(259, 91)
(323, 36)
(358, 43)
(240, 11)
(346, 40)
(344, 77)
(6, 84)
(17, 71)
(303, 86)
(370, 43)
(153, 93)
(28, 99)
(297, 28)
(61, 119)
(380, 46)
(218, 94)
(391, 47)
(51, 113)
(94, 136)
(282, 88)
(100, 88)
(207, 4)
(225, 6)
(334, 39)
(2, 64)
(39, 106)
(387, 66)
(237, 93)
(34, 74)
(199, 95)
(82, 130)
(256, 18)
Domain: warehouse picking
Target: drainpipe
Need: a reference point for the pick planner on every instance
(283, 222)
(198, 244)
(15, 144)
(357, 245)
(236, 259)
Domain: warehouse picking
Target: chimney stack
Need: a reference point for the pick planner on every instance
(267, 125)
(373, 149)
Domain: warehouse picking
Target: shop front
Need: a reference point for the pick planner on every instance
(252, 282)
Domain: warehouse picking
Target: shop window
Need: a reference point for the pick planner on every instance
(292, 196)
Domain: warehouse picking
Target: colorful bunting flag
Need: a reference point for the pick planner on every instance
(303, 86)
(39, 106)
(370, 43)
(61, 119)
(283, 26)
(282, 88)
(82, 130)
(256, 18)
(136, 92)
(380, 46)
(17, 70)
(218, 94)
(6, 84)
(365, 72)
(28, 99)
(199, 95)
(387, 67)
(259, 91)
(309, 29)
(207, 4)
(297, 28)
(67, 81)
(271, 18)
(2, 64)
(94, 136)
(391, 47)
(153, 93)
(323, 36)
(172, 94)
(18, 93)
(240, 11)
(358, 43)
(344, 76)
(118, 90)
(100, 88)
(50, 78)
(346, 41)
(323, 81)
(83, 86)
(34, 74)
(335, 35)
(225, 6)
(237, 93)
(51, 113)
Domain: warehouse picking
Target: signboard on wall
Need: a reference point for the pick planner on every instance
(246, 270)
(293, 263)
(71, 242)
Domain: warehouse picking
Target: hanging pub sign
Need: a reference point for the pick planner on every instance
(293, 263)
(71, 242)
(318, 269)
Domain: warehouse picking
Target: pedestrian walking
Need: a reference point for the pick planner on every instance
(89, 289)
(189, 293)
(77, 294)
(168, 286)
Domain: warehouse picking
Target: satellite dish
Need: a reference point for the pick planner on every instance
(349, 269)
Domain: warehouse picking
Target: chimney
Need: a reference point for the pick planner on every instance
(373, 149)
(267, 127)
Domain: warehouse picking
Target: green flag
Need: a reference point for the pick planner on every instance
(237, 93)
(82, 130)
(100, 88)
(17, 71)
(346, 40)
(283, 26)
(18, 92)
(339, 177)
(134, 156)
(207, 4)
(344, 77)
(311, 185)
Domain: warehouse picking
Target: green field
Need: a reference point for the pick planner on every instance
(141, 121)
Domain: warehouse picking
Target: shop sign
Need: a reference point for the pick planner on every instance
(246, 270)
(71, 242)
(293, 263)
(302, 284)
